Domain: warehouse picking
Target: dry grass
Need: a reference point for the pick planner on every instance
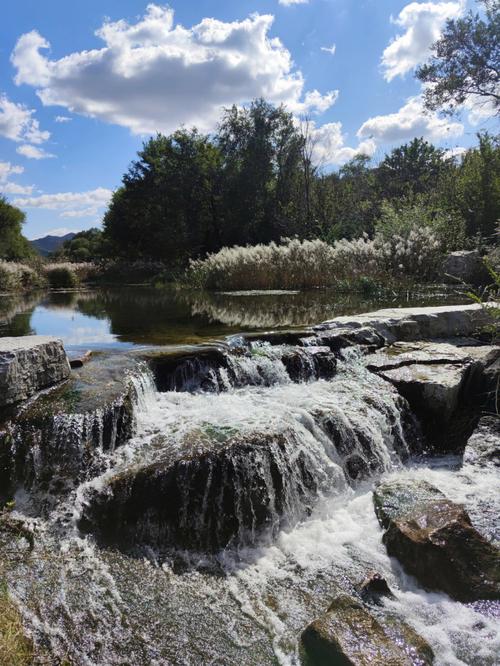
(16, 649)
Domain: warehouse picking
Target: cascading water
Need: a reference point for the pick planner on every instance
(274, 463)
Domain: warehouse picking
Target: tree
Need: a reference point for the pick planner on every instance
(13, 245)
(412, 169)
(84, 246)
(465, 65)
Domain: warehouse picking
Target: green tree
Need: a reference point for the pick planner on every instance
(465, 63)
(412, 169)
(13, 245)
(84, 246)
(478, 187)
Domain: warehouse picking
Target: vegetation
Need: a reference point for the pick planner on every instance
(15, 648)
(15, 276)
(465, 64)
(83, 247)
(13, 245)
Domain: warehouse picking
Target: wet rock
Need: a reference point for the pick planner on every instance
(58, 438)
(347, 634)
(483, 446)
(29, 364)
(213, 495)
(443, 383)
(465, 266)
(374, 589)
(434, 540)
(78, 359)
(309, 363)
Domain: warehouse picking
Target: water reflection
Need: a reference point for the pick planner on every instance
(141, 316)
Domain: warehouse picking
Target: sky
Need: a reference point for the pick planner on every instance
(84, 84)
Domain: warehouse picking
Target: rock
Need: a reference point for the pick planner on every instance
(347, 634)
(465, 266)
(216, 492)
(435, 541)
(77, 359)
(59, 437)
(483, 446)
(374, 588)
(29, 364)
(443, 383)
(444, 321)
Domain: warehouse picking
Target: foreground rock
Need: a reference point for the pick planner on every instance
(348, 635)
(29, 364)
(435, 541)
(445, 384)
(58, 438)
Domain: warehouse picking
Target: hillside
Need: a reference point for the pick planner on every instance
(49, 244)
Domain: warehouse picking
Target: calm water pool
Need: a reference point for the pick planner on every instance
(128, 316)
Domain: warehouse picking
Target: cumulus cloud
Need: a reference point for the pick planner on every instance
(6, 186)
(288, 3)
(69, 204)
(423, 23)
(457, 152)
(329, 147)
(410, 121)
(153, 75)
(33, 153)
(62, 119)
(17, 123)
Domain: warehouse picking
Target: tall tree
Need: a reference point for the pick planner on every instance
(465, 63)
(13, 245)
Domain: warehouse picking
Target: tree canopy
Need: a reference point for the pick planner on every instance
(465, 63)
(13, 245)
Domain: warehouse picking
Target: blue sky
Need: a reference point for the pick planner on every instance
(82, 84)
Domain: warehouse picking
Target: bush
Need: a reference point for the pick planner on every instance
(16, 649)
(19, 277)
(298, 264)
(62, 277)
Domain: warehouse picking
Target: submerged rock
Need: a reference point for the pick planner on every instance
(434, 540)
(29, 364)
(374, 589)
(348, 635)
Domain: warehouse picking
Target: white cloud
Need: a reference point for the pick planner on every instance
(69, 204)
(329, 147)
(423, 23)
(329, 49)
(62, 119)
(33, 153)
(17, 123)
(6, 186)
(288, 3)
(456, 152)
(410, 121)
(154, 76)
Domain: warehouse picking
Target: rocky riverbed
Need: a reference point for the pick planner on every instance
(328, 495)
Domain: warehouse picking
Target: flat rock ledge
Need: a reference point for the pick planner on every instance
(435, 542)
(29, 364)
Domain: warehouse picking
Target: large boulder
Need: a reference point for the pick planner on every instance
(58, 438)
(465, 266)
(29, 364)
(348, 635)
(434, 540)
(445, 384)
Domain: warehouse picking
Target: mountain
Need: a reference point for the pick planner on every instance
(49, 244)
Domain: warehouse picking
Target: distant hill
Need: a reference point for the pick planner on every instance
(49, 244)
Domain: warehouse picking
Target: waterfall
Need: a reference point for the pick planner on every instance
(215, 470)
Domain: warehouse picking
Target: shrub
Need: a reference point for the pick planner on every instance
(15, 648)
(62, 277)
(18, 277)
(295, 264)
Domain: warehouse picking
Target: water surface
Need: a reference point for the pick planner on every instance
(128, 316)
